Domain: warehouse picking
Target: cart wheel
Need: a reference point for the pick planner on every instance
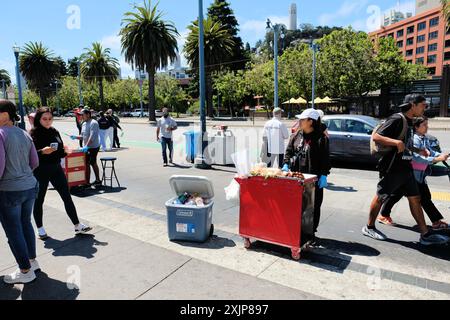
(211, 231)
(295, 254)
(247, 243)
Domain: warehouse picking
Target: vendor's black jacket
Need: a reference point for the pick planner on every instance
(104, 123)
(42, 138)
(315, 149)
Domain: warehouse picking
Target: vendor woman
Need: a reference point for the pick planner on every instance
(308, 152)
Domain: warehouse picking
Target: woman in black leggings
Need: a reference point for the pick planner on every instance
(50, 147)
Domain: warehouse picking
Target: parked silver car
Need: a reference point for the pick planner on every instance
(350, 137)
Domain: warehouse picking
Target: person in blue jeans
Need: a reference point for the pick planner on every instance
(18, 191)
(166, 126)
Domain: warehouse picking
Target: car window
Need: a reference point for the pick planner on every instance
(333, 124)
(355, 126)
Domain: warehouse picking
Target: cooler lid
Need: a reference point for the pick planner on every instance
(192, 184)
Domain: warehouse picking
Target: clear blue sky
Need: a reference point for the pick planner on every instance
(46, 20)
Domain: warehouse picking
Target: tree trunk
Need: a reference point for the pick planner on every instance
(42, 96)
(151, 96)
(384, 102)
(209, 96)
(100, 91)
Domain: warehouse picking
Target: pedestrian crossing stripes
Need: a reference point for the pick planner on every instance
(441, 196)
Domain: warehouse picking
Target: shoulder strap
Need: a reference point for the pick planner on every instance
(405, 127)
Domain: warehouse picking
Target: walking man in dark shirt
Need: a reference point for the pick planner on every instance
(396, 173)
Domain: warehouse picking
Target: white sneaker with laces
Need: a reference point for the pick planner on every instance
(81, 229)
(35, 266)
(19, 277)
(374, 234)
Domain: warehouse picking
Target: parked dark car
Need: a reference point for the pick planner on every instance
(350, 137)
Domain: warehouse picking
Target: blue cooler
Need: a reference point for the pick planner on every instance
(193, 142)
(190, 223)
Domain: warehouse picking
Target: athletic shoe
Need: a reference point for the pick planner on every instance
(430, 239)
(35, 266)
(82, 229)
(374, 234)
(440, 225)
(19, 277)
(386, 221)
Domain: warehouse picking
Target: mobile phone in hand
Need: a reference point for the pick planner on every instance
(54, 146)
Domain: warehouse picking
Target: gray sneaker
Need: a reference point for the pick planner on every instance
(374, 234)
(431, 239)
(19, 277)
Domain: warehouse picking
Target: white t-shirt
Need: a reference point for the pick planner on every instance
(164, 124)
(276, 133)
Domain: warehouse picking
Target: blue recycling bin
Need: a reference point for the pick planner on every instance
(192, 144)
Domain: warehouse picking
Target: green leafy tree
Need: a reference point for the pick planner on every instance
(232, 89)
(98, 66)
(259, 80)
(218, 47)
(446, 10)
(31, 100)
(72, 67)
(38, 66)
(148, 43)
(61, 67)
(171, 95)
(220, 11)
(346, 61)
(4, 75)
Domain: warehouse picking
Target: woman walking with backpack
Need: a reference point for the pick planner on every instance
(51, 150)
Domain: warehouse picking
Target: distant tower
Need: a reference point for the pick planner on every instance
(293, 17)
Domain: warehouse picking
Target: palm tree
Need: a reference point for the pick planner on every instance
(97, 65)
(5, 80)
(218, 47)
(37, 64)
(148, 43)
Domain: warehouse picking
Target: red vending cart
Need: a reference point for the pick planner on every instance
(277, 210)
(75, 169)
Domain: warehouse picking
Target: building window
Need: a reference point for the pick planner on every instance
(447, 56)
(420, 38)
(434, 22)
(421, 26)
(409, 61)
(420, 50)
(432, 58)
(433, 35)
(420, 60)
(410, 30)
(390, 35)
(447, 43)
(400, 33)
(432, 47)
(409, 41)
(432, 71)
(400, 44)
(409, 53)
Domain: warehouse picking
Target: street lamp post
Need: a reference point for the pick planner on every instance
(276, 32)
(80, 93)
(16, 50)
(200, 161)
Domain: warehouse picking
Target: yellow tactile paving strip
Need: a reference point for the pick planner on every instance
(441, 196)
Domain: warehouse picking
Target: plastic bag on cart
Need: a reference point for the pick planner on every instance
(242, 163)
(232, 191)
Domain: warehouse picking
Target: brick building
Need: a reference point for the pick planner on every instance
(423, 39)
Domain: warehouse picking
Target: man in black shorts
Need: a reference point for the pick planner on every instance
(396, 173)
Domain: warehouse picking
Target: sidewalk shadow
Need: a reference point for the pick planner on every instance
(45, 288)
(180, 166)
(439, 252)
(7, 291)
(319, 255)
(82, 246)
(105, 153)
(90, 192)
(353, 165)
(223, 170)
(215, 242)
(332, 187)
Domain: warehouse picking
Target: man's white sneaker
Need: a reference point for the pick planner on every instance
(374, 234)
(82, 229)
(19, 277)
(35, 266)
